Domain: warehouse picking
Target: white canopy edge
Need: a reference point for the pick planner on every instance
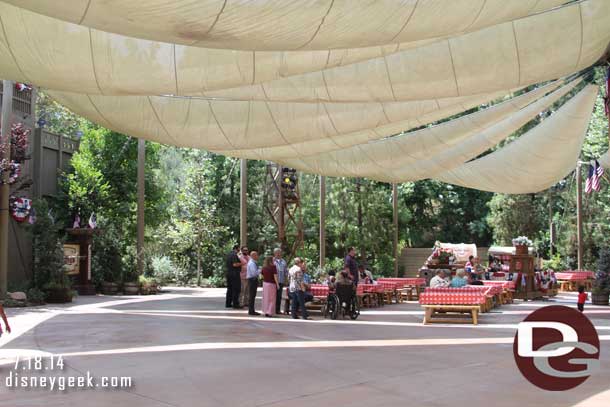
(536, 160)
(68, 57)
(604, 160)
(286, 24)
(427, 152)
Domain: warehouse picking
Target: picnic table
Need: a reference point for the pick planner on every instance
(437, 301)
(571, 279)
(406, 286)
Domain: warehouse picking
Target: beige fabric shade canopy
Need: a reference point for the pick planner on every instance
(330, 87)
(286, 24)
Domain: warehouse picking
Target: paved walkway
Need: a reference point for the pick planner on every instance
(183, 348)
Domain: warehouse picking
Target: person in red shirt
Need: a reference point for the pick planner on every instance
(582, 298)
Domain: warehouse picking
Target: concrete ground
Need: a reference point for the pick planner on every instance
(183, 348)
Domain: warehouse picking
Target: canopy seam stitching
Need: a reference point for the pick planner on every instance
(582, 38)
(457, 87)
(406, 22)
(278, 128)
(517, 51)
(175, 69)
(100, 112)
(332, 2)
(159, 120)
(476, 17)
(253, 67)
(80, 22)
(387, 71)
(97, 83)
(219, 126)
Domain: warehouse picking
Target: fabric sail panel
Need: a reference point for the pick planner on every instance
(421, 154)
(234, 127)
(393, 148)
(64, 56)
(286, 25)
(536, 160)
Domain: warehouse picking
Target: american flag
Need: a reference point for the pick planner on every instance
(589, 182)
(597, 176)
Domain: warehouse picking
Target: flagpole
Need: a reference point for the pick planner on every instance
(579, 214)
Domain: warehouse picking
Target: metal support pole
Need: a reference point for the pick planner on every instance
(579, 215)
(243, 202)
(551, 235)
(395, 223)
(7, 111)
(322, 220)
(141, 204)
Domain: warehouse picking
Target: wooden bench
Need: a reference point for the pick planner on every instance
(432, 310)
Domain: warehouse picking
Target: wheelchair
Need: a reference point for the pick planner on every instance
(342, 301)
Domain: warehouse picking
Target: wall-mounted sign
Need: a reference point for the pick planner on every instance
(72, 258)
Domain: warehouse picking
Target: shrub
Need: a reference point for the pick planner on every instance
(601, 285)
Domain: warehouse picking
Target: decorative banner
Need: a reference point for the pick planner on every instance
(20, 208)
(22, 86)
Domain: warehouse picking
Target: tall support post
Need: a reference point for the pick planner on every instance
(7, 111)
(243, 202)
(141, 203)
(322, 220)
(395, 223)
(579, 215)
(551, 234)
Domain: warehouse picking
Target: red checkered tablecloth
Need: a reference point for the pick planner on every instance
(452, 298)
(388, 285)
(319, 290)
(507, 285)
(575, 275)
(371, 288)
(405, 281)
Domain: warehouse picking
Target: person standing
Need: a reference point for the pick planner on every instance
(270, 286)
(297, 289)
(282, 277)
(252, 273)
(233, 279)
(244, 258)
(352, 264)
(5, 319)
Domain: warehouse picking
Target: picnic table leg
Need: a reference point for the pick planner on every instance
(428, 315)
(475, 316)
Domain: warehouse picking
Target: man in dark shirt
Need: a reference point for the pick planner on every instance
(233, 279)
(352, 264)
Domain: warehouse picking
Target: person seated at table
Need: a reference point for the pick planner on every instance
(344, 277)
(439, 280)
(365, 276)
(330, 280)
(460, 279)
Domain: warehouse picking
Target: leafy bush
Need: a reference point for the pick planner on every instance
(555, 264)
(48, 250)
(163, 269)
(106, 259)
(601, 285)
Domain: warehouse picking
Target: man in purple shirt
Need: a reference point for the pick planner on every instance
(352, 264)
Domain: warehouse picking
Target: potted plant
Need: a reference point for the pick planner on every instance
(601, 286)
(522, 244)
(131, 284)
(58, 292)
(148, 285)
